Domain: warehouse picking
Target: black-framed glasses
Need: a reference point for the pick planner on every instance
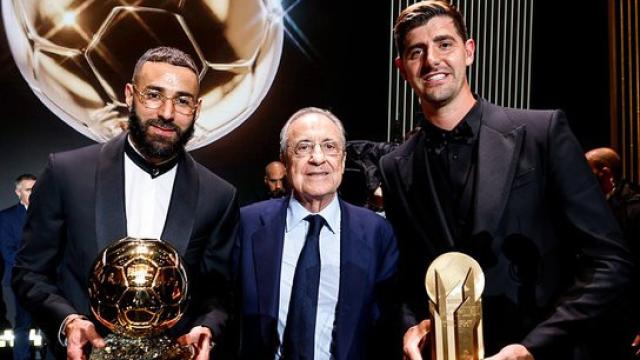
(306, 148)
(154, 99)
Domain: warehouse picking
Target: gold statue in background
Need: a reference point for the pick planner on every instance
(454, 283)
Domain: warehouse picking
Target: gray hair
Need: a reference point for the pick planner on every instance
(310, 110)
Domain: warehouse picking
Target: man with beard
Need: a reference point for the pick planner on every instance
(140, 184)
(275, 179)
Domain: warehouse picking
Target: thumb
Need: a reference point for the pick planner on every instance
(186, 339)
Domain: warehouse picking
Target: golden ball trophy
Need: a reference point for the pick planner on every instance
(454, 283)
(138, 289)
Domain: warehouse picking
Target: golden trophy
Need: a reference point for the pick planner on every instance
(138, 289)
(454, 283)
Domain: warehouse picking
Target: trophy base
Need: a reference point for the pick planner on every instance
(155, 348)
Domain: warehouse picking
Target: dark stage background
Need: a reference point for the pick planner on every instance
(346, 73)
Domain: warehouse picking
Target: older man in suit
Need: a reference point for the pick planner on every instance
(141, 184)
(509, 187)
(316, 274)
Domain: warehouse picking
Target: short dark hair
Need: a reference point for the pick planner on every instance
(22, 177)
(420, 13)
(166, 54)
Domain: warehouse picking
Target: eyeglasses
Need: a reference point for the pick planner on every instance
(306, 148)
(154, 99)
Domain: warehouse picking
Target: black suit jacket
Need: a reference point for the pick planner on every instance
(549, 246)
(78, 208)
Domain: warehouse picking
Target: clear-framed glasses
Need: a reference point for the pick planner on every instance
(154, 99)
(306, 148)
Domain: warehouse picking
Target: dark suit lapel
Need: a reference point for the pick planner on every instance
(355, 257)
(431, 212)
(498, 152)
(111, 222)
(182, 208)
(268, 240)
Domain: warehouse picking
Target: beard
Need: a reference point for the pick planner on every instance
(156, 147)
(277, 193)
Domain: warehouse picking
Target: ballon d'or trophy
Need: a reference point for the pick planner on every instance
(138, 289)
(454, 284)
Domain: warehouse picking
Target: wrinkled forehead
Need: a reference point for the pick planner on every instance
(313, 127)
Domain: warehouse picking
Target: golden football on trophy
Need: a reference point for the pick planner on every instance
(138, 287)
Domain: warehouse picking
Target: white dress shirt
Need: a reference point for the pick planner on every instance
(294, 238)
(146, 200)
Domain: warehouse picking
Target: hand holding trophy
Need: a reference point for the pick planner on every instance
(138, 289)
(454, 283)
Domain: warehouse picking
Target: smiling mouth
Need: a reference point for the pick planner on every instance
(434, 77)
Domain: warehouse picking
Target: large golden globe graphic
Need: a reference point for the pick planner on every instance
(77, 55)
(138, 287)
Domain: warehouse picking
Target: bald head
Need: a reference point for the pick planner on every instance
(604, 157)
(605, 165)
(274, 179)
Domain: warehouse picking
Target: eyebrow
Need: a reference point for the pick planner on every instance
(163, 90)
(443, 37)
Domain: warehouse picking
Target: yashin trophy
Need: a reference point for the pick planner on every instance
(454, 284)
(138, 290)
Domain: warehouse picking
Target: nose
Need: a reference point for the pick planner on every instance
(317, 156)
(167, 110)
(278, 185)
(431, 58)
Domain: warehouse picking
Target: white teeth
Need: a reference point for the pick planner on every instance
(436, 77)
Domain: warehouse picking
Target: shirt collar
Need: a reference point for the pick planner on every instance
(153, 170)
(466, 131)
(296, 214)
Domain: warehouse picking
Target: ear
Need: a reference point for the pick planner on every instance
(400, 66)
(470, 48)
(128, 94)
(197, 112)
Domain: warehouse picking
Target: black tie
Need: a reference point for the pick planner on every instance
(299, 332)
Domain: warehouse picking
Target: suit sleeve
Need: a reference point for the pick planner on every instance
(408, 289)
(604, 263)
(37, 260)
(215, 287)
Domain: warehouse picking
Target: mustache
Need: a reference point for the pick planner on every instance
(163, 124)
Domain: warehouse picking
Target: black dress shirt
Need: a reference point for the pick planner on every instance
(452, 159)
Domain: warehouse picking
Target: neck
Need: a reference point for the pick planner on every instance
(446, 116)
(315, 205)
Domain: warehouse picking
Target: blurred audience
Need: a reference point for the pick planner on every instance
(11, 223)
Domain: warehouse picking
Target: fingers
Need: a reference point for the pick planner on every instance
(512, 352)
(200, 338)
(75, 352)
(94, 338)
(414, 340)
(79, 333)
(635, 343)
